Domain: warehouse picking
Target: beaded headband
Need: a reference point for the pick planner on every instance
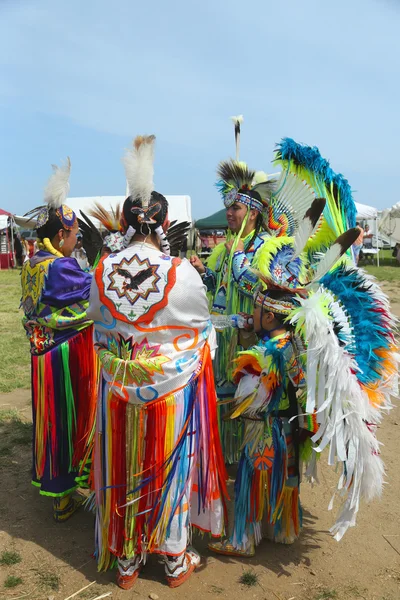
(283, 307)
(235, 196)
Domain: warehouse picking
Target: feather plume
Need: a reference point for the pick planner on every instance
(308, 225)
(238, 119)
(57, 188)
(234, 174)
(139, 168)
(237, 122)
(337, 250)
(92, 240)
(177, 234)
(111, 219)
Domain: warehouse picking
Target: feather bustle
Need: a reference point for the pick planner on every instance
(308, 225)
(338, 248)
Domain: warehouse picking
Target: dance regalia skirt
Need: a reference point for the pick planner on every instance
(267, 502)
(158, 470)
(64, 392)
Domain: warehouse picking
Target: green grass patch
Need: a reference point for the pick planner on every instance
(327, 595)
(383, 273)
(12, 581)
(8, 558)
(15, 360)
(249, 578)
(14, 432)
(50, 581)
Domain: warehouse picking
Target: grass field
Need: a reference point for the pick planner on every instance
(389, 269)
(15, 362)
(15, 359)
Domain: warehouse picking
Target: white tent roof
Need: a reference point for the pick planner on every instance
(392, 213)
(366, 212)
(390, 222)
(3, 221)
(180, 207)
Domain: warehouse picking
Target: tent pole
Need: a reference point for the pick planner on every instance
(377, 241)
(12, 242)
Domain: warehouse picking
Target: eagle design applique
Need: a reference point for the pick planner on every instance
(134, 279)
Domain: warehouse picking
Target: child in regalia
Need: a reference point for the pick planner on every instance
(270, 377)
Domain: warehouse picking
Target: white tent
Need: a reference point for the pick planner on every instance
(180, 208)
(366, 212)
(390, 222)
(4, 221)
(369, 213)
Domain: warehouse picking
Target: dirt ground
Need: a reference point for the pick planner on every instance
(57, 561)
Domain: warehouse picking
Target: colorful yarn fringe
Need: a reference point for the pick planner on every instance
(64, 386)
(152, 462)
(268, 492)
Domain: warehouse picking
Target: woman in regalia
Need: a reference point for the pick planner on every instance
(55, 294)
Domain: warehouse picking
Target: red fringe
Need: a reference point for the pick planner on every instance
(50, 417)
(83, 372)
(83, 369)
(118, 475)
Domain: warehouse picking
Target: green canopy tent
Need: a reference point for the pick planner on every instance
(215, 221)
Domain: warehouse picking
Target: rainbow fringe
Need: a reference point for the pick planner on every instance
(150, 461)
(64, 391)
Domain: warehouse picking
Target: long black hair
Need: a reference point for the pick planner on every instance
(146, 221)
(258, 228)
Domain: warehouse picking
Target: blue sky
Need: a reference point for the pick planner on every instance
(81, 78)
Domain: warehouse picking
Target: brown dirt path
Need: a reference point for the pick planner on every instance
(364, 565)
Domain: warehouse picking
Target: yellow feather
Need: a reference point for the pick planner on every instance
(243, 405)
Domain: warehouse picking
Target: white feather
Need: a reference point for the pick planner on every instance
(139, 169)
(302, 236)
(328, 260)
(238, 119)
(293, 198)
(57, 188)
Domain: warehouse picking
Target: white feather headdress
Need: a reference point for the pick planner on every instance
(139, 168)
(57, 188)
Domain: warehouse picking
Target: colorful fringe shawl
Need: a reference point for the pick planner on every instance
(64, 389)
(155, 463)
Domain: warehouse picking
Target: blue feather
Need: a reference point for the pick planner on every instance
(370, 327)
